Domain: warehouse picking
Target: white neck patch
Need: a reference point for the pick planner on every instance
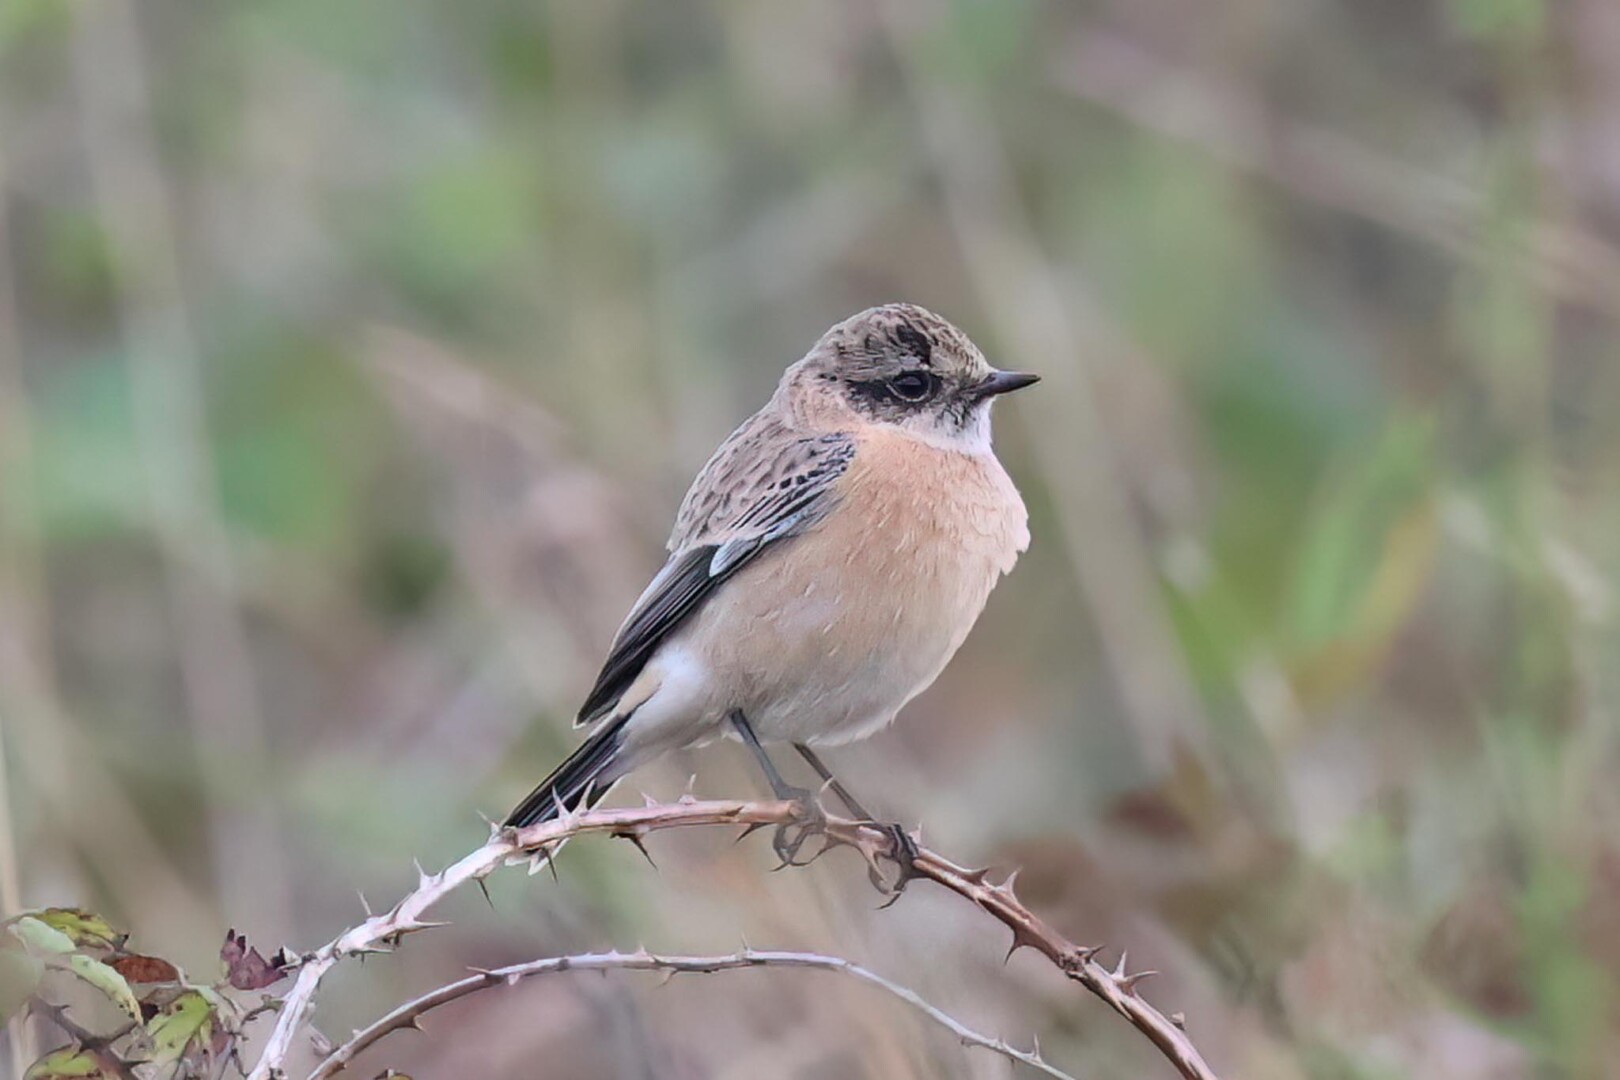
(971, 438)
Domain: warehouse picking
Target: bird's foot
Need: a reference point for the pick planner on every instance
(903, 852)
(812, 821)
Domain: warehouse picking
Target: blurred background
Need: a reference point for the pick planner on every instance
(354, 358)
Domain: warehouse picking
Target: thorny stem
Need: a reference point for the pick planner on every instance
(535, 843)
(409, 1014)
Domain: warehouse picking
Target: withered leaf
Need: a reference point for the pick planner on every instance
(39, 937)
(85, 927)
(105, 979)
(144, 969)
(246, 968)
(71, 1062)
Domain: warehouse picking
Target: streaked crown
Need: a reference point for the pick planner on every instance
(900, 365)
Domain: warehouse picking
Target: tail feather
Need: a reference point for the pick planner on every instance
(583, 779)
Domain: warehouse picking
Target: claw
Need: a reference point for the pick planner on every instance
(791, 837)
(827, 844)
(902, 851)
(787, 844)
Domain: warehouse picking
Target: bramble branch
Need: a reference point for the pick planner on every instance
(409, 1014)
(538, 843)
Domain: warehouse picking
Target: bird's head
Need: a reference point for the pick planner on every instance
(903, 366)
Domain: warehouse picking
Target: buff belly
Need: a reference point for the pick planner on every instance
(826, 638)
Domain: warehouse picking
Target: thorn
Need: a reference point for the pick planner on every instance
(542, 857)
(636, 838)
(486, 819)
(414, 1023)
(366, 906)
(1119, 971)
(1179, 1019)
(416, 926)
(1007, 886)
(750, 830)
(1022, 939)
(556, 800)
(978, 877)
(648, 800)
(1128, 983)
(483, 887)
(691, 786)
(1088, 953)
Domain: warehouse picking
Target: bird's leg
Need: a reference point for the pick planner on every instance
(832, 782)
(903, 849)
(789, 838)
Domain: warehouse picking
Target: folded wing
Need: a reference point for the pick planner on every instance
(764, 486)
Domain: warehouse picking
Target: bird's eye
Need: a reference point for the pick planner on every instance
(912, 385)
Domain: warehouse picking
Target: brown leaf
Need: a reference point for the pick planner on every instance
(144, 969)
(246, 968)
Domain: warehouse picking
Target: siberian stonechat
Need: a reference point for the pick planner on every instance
(825, 565)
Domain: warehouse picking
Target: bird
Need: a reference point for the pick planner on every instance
(824, 567)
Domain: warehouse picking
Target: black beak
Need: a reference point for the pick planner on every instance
(1005, 382)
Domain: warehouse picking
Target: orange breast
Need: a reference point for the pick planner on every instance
(848, 622)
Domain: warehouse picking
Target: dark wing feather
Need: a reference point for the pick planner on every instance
(761, 487)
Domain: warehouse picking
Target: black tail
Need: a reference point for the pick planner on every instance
(584, 778)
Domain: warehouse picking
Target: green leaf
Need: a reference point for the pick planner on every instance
(184, 1023)
(84, 927)
(70, 1061)
(106, 980)
(19, 976)
(40, 937)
